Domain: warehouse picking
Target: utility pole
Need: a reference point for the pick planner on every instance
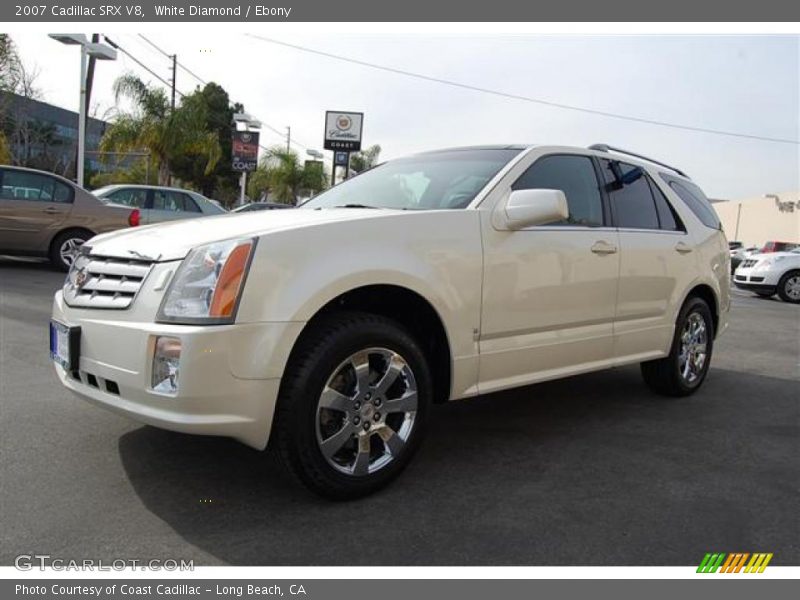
(174, 75)
(288, 139)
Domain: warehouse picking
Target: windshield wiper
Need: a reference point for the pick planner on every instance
(355, 206)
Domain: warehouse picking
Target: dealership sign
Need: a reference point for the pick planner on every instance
(244, 150)
(343, 131)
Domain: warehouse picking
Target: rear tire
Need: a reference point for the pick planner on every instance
(789, 287)
(683, 371)
(352, 406)
(65, 247)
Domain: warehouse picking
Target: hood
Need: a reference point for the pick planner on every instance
(173, 241)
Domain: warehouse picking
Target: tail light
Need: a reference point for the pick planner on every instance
(134, 217)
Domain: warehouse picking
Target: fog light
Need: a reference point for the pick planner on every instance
(166, 365)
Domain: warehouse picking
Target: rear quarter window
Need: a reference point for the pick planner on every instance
(696, 200)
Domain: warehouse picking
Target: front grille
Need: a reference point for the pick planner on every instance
(101, 282)
(748, 263)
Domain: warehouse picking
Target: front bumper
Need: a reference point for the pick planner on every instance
(229, 374)
(754, 279)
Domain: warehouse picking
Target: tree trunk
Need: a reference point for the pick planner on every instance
(163, 172)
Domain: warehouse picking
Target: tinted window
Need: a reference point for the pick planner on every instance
(134, 197)
(173, 201)
(573, 175)
(631, 199)
(696, 200)
(667, 217)
(21, 185)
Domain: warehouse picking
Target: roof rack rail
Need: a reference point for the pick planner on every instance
(607, 148)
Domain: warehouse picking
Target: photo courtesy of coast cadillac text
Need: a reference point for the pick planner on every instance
(344, 300)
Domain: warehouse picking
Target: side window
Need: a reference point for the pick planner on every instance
(173, 201)
(631, 199)
(133, 197)
(696, 200)
(667, 217)
(188, 203)
(21, 185)
(575, 176)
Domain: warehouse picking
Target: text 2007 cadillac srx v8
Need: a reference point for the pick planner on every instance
(329, 330)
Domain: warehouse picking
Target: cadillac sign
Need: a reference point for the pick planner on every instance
(343, 131)
(244, 150)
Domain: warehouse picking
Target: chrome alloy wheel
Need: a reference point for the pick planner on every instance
(69, 250)
(792, 287)
(366, 411)
(694, 340)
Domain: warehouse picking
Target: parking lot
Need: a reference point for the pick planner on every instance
(592, 470)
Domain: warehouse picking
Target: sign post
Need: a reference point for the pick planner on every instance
(244, 154)
(343, 132)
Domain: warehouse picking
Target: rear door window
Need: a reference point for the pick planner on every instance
(133, 197)
(172, 201)
(632, 200)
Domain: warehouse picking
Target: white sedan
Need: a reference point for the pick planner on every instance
(771, 273)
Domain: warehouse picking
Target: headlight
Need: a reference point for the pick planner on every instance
(208, 284)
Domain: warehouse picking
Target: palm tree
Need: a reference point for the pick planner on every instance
(154, 126)
(285, 177)
(366, 159)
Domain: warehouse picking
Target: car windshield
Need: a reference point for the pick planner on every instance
(436, 180)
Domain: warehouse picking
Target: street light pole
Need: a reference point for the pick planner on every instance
(82, 117)
(95, 50)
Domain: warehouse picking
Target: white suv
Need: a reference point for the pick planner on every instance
(771, 273)
(329, 330)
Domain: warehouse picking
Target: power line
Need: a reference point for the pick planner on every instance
(168, 84)
(182, 66)
(540, 101)
(140, 63)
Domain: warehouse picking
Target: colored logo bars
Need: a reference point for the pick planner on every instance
(734, 562)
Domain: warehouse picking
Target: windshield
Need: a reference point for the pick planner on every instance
(437, 180)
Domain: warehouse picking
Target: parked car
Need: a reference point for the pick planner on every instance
(260, 206)
(774, 246)
(42, 214)
(739, 254)
(329, 330)
(158, 204)
(771, 273)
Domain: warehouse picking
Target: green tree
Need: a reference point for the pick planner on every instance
(366, 159)
(285, 177)
(139, 172)
(5, 151)
(165, 133)
(212, 101)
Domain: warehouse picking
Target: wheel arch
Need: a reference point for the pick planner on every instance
(706, 293)
(409, 308)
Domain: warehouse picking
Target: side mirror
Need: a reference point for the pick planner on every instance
(526, 208)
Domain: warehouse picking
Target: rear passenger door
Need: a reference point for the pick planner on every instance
(171, 205)
(656, 258)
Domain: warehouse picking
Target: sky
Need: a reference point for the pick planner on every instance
(747, 84)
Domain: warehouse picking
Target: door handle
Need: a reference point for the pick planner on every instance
(683, 248)
(603, 247)
(50, 210)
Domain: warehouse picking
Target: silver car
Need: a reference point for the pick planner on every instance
(158, 204)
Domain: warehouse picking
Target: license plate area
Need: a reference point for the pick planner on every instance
(65, 344)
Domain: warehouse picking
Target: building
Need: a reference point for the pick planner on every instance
(754, 221)
(44, 136)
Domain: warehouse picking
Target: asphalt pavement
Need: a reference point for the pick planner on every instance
(591, 470)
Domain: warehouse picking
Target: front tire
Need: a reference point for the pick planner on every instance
(353, 405)
(683, 371)
(789, 287)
